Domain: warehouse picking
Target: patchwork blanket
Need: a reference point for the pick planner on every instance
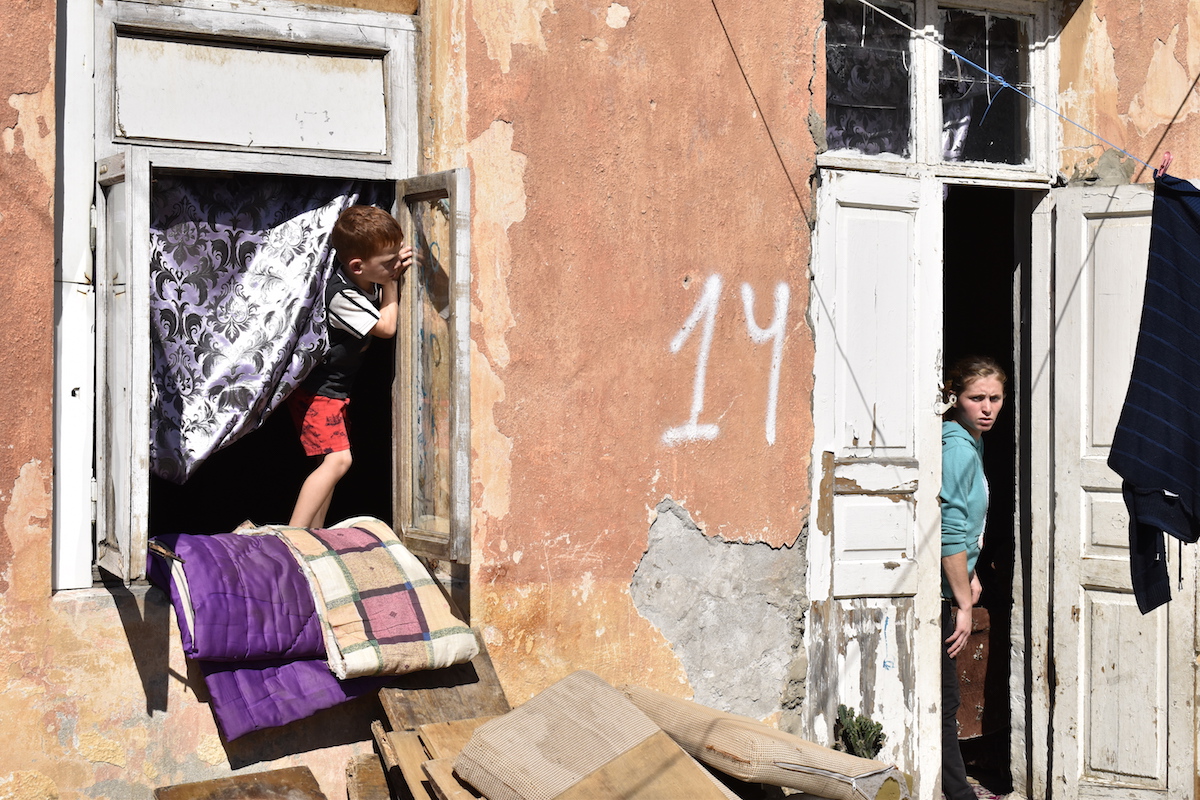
(248, 615)
(381, 612)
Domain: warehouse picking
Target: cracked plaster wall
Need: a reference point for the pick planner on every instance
(1128, 72)
(732, 611)
(619, 162)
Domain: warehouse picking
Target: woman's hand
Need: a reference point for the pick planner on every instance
(962, 630)
(976, 589)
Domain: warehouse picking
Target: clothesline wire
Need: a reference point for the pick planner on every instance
(1004, 84)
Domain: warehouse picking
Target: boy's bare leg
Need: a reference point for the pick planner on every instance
(319, 520)
(317, 490)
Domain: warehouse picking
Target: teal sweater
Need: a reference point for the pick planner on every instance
(963, 496)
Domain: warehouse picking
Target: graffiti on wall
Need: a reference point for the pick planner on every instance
(704, 314)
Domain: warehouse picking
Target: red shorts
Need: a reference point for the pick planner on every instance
(321, 421)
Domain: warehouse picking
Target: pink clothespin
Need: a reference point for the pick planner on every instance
(1166, 162)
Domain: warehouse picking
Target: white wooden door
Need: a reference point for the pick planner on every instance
(874, 546)
(1124, 685)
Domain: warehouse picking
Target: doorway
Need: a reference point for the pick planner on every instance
(986, 237)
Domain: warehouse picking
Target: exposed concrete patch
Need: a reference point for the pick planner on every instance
(491, 467)
(499, 202)
(26, 525)
(96, 747)
(1113, 168)
(505, 23)
(732, 612)
(211, 751)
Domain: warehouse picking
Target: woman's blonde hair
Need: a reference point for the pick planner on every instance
(968, 369)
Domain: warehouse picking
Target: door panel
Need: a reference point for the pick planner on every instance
(874, 557)
(433, 392)
(1122, 722)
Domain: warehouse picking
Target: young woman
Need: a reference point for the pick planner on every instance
(975, 394)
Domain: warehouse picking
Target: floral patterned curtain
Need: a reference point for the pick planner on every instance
(237, 315)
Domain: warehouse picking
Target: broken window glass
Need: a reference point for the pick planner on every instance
(868, 104)
(983, 120)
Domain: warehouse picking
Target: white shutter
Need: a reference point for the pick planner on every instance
(874, 544)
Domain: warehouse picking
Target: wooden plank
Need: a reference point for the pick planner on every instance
(446, 739)
(365, 779)
(463, 691)
(446, 784)
(293, 783)
(410, 755)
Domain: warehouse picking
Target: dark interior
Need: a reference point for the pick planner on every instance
(985, 239)
(258, 477)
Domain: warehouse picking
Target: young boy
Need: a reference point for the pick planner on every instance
(361, 302)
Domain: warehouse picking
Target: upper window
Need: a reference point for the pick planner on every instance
(880, 82)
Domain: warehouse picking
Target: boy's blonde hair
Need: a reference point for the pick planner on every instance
(364, 231)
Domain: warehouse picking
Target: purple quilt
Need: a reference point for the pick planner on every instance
(247, 616)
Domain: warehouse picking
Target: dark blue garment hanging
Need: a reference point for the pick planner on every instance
(1156, 447)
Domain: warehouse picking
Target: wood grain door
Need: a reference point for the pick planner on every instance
(874, 546)
(1123, 684)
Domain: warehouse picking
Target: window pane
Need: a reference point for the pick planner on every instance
(867, 60)
(981, 119)
(431, 381)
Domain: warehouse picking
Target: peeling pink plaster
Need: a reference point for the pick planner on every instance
(644, 168)
(1127, 72)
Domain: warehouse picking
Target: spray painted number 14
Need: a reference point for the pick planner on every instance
(706, 310)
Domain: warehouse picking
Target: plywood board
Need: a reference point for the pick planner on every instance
(410, 755)
(657, 768)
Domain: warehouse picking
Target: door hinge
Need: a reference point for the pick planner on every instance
(92, 233)
(94, 500)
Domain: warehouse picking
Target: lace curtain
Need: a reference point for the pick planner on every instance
(238, 265)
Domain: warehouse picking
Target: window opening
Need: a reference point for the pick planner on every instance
(981, 119)
(238, 265)
(238, 268)
(868, 105)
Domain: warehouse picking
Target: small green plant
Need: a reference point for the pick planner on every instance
(857, 734)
